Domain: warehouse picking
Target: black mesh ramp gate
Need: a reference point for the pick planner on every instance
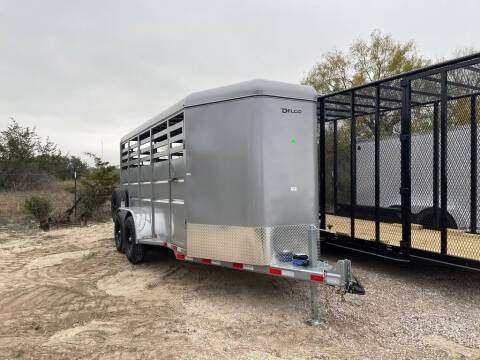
(399, 165)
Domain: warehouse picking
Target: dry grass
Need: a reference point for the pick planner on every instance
(12, 202)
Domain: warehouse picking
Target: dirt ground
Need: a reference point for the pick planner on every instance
(67, 294)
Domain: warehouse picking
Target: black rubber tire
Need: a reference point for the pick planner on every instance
(134, 252)
(118, 234)
(118, 196)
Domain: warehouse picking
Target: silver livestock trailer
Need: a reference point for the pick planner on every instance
(229, 177)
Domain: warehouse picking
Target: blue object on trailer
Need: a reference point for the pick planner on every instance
(300, 262)
(300, 259)
(285, 256)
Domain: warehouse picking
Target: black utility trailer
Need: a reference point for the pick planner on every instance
(398, 165)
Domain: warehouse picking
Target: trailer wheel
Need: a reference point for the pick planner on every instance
(118, 234)
(133, 251)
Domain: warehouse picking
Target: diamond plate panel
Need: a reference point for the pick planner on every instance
(291, 238)
(249, 245)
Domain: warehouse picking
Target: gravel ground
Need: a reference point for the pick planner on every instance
(68, 294)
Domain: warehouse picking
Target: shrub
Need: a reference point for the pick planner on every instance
(96, 186)
(38, 207)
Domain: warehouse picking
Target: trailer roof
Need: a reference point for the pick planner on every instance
(257, 87)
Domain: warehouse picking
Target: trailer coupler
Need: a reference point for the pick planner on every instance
(355, 287)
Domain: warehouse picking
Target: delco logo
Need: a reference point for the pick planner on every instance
(291, 111)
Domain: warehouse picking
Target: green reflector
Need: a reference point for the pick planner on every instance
(293, 141)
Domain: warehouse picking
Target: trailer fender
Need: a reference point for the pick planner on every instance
(142, 219)
(426, 217)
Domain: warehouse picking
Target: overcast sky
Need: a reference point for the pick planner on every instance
(87, 72)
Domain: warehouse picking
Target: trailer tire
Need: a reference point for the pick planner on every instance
(134, 252)
(119, 234)
(118, 196)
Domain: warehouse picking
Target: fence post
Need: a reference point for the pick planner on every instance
(75, 200)
(406, 180)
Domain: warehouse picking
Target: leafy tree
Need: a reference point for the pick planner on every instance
(18, 146)
(366, 61)
(27, 161)
(97, 185)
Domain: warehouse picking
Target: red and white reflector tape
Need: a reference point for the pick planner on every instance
(173, 247)
(274, 271)
(237, 265)
(180, 256)
(207, 261)
(318, 278)
(281, 272)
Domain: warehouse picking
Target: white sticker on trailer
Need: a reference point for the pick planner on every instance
(293, 188)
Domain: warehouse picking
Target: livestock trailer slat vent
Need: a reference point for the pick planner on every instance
(400, 164)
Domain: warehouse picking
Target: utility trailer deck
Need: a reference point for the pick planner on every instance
(461, 243)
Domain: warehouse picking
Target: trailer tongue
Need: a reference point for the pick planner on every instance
(229, 177)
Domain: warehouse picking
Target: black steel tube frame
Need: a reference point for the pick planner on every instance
(353, 165)
(405, 190)
(436, 172)
(322, 189)
(376, 105)
(377, 164)
(473, 164)
(462, 62)
(335, 168)
(443, 162)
